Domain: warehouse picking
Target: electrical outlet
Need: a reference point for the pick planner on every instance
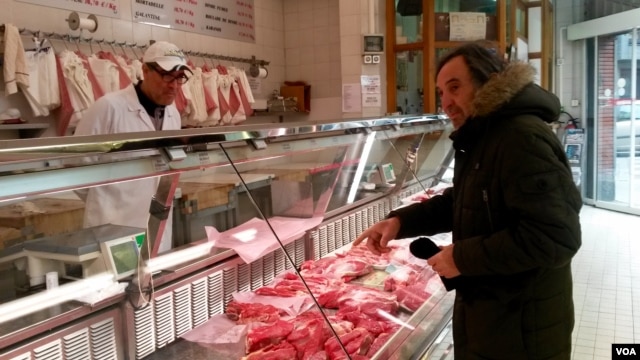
(575, 102)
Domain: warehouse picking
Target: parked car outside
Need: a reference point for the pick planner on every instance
(622, 132)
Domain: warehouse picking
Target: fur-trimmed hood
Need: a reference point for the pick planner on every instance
(512, 91)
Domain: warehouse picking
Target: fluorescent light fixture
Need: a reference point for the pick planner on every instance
(52, 297)
(166, 261)
(368, 144)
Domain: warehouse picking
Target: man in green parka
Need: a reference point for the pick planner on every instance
(513, 212)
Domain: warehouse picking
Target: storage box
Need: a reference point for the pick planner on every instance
(302, 93)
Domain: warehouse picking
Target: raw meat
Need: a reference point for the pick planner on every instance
(243, 313)
(373, 326)
(357, 342)
(401, 277)
(308, 336)
(281, 351)
(346, 268)
(413, 296)
(378, 343)
(263, 336)
(321, 355)
(368, 301)
(361, 252)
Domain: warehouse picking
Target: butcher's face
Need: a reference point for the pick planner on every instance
(457, 90)
(161, 86)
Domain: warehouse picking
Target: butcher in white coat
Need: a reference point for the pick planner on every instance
(147, 106)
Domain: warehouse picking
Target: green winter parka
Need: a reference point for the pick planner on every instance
(513, 212)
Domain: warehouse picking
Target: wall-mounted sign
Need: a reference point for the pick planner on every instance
(108, 8)
(229, 19)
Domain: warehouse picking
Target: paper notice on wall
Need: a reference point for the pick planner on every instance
(351, 98)
(371, 100)
(110, 8)
(256, 85)
(467, 26)
(370, 84)
(230, 19)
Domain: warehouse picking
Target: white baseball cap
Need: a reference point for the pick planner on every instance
(168, 56)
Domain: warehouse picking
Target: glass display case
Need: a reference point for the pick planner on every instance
(139, 245)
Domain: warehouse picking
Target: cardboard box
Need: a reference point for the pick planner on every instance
(302, 93)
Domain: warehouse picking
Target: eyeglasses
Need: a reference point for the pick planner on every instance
(167, 77)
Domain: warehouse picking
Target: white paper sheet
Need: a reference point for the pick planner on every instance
(254, 239)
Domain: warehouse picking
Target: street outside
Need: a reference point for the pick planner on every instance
(622, 176)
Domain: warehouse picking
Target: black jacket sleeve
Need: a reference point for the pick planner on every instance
(428, 217)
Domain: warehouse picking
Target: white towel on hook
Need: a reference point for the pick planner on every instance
(15, 65)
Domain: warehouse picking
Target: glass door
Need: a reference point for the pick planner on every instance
(616, 122)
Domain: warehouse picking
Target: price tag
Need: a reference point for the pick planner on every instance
(160, 165)
(203, 157)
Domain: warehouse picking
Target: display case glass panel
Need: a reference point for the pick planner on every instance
(267, 219)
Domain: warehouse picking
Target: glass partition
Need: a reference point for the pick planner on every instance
(409, 82)
(255, 204)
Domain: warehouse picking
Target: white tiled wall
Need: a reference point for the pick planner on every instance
(313, 53)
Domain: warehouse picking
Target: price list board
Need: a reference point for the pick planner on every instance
(108, 8)
(229, 19)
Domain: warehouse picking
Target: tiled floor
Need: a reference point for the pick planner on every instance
(606, 274)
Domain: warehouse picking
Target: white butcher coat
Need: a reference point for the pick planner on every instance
(125, 203)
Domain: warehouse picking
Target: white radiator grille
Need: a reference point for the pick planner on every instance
(163, 313)
(244, 277)
(50, 351)
(76, 345)
(368, 220)
(291, 251)
(299, 246)
(337, 234)
(257, 268)
(385, 209)
(394, 202)
(268, 267)
(199, 302)
(280, 261)
(216, 294)
(182, 310)
(358, 224)
(346, 232)
(331, 237)
(230, 282)
(352, 227)
(322, 239)
(315, 237)
(144, 332)
(103, 340)
(375, 212)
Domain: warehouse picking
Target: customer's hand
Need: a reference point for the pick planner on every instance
(443, 264)
(379, 235)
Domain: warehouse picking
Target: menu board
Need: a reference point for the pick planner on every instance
(229, 19)
(108, 8)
